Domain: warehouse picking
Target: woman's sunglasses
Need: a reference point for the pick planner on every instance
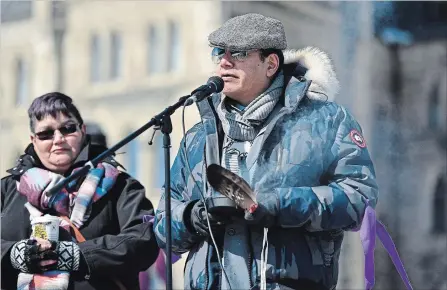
(218, 53)
(49, 133)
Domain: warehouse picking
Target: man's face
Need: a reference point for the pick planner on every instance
(245, 75)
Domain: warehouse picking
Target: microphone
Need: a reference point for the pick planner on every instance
(214, 84)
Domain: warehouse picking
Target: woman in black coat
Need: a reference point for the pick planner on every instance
(103, 242)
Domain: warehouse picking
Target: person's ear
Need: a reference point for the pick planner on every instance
(272, 64)
(83, 129)
(84, 132)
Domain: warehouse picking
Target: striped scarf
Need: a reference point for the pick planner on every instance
(36, 181)
(76, 204)
(245, 125)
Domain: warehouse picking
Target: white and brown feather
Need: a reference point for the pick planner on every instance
(232, 186)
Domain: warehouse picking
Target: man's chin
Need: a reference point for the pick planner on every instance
(229, 92)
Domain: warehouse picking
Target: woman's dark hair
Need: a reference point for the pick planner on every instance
(264, 53)
(52, 104)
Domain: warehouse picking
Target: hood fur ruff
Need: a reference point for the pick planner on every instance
(317, 67)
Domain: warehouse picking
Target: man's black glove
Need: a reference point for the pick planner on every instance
(27, 257)
(266, 212)
(198, 222)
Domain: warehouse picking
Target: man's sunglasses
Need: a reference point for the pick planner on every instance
(49, 133)
(218, 53)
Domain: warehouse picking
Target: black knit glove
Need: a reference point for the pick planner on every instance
(68, 256)
(198, 221)
(26, 256)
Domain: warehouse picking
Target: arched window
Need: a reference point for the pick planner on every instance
(95, 58)
(155, 52)
(116, 55)
(22, 78)
(175, 46)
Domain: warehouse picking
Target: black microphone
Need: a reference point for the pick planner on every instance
(213, 85)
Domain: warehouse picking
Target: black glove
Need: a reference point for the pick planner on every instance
(265, 214)
(199, 223)
(26, 256)
(69, 256)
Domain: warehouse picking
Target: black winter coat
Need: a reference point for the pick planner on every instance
(118, 244)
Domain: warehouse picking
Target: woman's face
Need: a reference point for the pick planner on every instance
(58, 141)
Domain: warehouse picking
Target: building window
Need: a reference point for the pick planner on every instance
(175, 48)
(132, 158)
(116, 55)
(440, 207)
(422, 20)
(22, 79)
(95, 61)
(155, 53)
(12, 11)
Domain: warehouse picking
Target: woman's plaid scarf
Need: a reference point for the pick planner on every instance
(35, 182)
(75, 204)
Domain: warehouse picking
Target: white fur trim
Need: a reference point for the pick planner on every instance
(319, 69)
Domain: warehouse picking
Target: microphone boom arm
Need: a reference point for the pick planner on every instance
(156, 120)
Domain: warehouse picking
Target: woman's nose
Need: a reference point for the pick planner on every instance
(58, 137)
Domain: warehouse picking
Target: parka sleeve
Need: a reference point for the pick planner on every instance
(351, 184)
(182, 238)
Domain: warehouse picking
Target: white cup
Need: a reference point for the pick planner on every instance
(46, 227)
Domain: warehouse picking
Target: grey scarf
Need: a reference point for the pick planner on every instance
(245, 125)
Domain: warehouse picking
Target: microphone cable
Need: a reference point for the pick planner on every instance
(202, 195)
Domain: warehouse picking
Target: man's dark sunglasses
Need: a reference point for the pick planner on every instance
(218, 53)
(49, 133)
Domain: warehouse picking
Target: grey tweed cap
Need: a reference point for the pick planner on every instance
(249, 31)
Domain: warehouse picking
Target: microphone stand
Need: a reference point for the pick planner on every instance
(163, 122)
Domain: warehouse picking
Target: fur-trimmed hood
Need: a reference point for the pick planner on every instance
(315, 65)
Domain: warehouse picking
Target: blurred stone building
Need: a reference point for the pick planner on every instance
(122, 62)
(125, 61)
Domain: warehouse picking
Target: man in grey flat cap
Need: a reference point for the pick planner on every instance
(305, 158)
